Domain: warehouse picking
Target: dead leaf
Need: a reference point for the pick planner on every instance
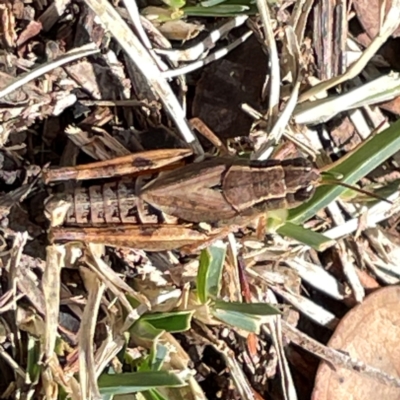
(369, 15)
(31, 30)
(180, 30)
(369, 333)
(7, 24)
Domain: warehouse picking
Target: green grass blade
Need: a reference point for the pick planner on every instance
(218, 253)
(249, 323)
(132, 382)
(153, 394)
(259, 309)
(221, 10)
(34, 367)
(210, 271)
(170, 321)
(202, 275)
(313, 239)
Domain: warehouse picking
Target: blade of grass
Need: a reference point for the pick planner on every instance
(210, 271)
(170, 322)
(315, 240)
(218, 253)
(249, 323)
(221, 10)
(153, 394)
(133, 382)
(202, 275)
(260, 309)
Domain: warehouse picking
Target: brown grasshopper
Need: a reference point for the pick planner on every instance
(224, 192)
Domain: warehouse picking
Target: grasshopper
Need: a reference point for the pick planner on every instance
(225, 192)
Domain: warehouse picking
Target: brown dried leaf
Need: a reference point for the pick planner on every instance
(98, 80)
(87, 371)
(31, 30)
(369, 15)
(369, 333)
(112, 280)
(180, 30)
(51, 283)
(7, 25)
(10, 199)
(100, 147)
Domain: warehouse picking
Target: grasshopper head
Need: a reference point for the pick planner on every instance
(301, 179)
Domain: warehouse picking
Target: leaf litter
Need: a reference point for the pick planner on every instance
(84, 82)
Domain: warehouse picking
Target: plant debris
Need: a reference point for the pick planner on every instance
(139, 89)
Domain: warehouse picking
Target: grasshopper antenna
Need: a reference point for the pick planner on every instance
(333, 181)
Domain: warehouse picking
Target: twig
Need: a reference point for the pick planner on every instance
(336, 357)
(133, 11)
(75, 54)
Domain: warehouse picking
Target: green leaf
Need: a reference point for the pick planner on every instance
(202, 275)
(159, 354)
(153, 394)
(171, 322)
(221, 10)
(260, 309)
(218, 254)
(247, 316)
(276, 219)
(174, 3)
(137, 382)
(211, 3)
(144, 330)
(249, 323)
(155, 359)
(210, 271)
(313, 239)
(33, 365)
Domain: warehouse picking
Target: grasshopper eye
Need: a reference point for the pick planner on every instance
(310, 188)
